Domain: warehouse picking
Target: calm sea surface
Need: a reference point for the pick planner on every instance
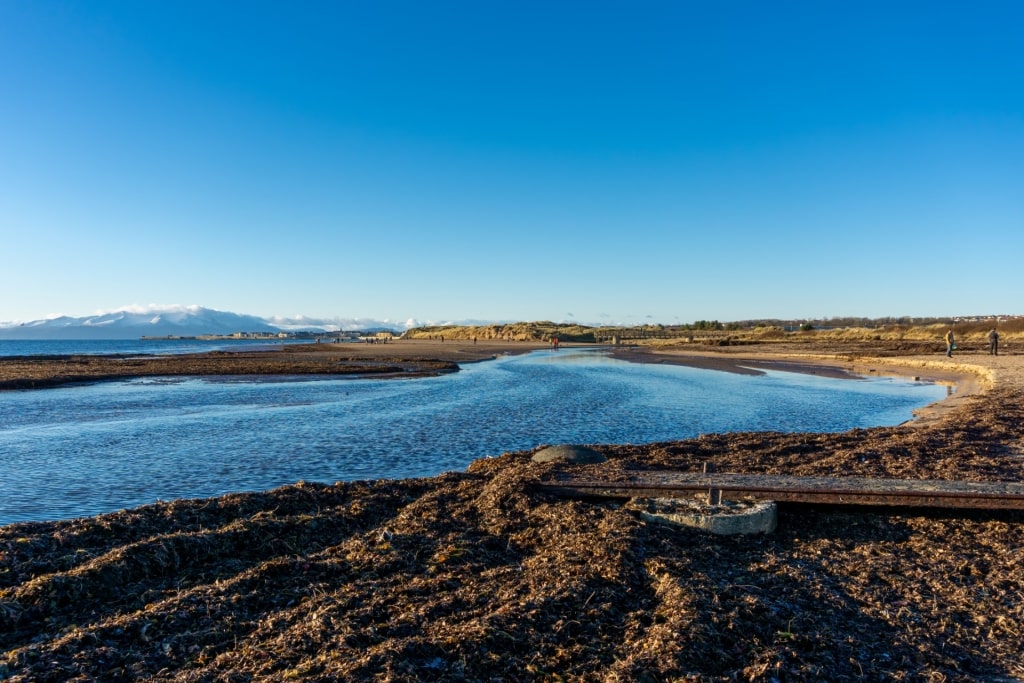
(57, 347)
(85, 450)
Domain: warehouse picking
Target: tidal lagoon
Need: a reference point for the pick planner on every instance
(87, 449)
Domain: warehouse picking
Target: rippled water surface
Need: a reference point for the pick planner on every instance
(89, 449)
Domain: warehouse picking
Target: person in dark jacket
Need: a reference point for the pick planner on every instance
(993, 342)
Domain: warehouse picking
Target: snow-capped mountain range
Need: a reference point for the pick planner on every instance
(182, 321)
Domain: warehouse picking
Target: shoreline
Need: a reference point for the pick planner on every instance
(964, 380)
(471, 575)
(396, 359)
(410, 359)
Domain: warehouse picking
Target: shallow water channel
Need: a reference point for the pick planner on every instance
(85, 450)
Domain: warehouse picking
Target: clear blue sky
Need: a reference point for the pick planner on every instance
(590, 161)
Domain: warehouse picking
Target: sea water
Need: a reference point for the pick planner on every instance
(84, 450)
(133, 347)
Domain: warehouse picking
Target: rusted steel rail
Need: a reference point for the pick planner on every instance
(990, 495)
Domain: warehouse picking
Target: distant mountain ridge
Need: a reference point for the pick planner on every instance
(178, 321)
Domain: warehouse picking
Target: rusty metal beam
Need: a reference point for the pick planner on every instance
(988, 495)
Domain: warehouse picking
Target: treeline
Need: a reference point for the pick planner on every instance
(872, 323)
(845, 321)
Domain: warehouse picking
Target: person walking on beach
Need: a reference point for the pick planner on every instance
(993, 342)
(950, 343)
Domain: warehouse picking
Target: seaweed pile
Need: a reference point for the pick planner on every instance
(41, 372)
(477, 576)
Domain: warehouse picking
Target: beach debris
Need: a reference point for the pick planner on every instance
(727, 518)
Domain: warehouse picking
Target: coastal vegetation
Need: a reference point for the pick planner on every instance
(540, 331)
(968, 331)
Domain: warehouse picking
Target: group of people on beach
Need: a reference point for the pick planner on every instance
(993, 343)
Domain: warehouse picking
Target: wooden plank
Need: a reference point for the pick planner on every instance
(991, 495)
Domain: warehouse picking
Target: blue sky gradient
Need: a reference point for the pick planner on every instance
(589, 161)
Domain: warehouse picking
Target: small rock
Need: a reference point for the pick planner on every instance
(580, 455)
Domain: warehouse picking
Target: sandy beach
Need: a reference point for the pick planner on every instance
(965, 374)
(475, 576)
